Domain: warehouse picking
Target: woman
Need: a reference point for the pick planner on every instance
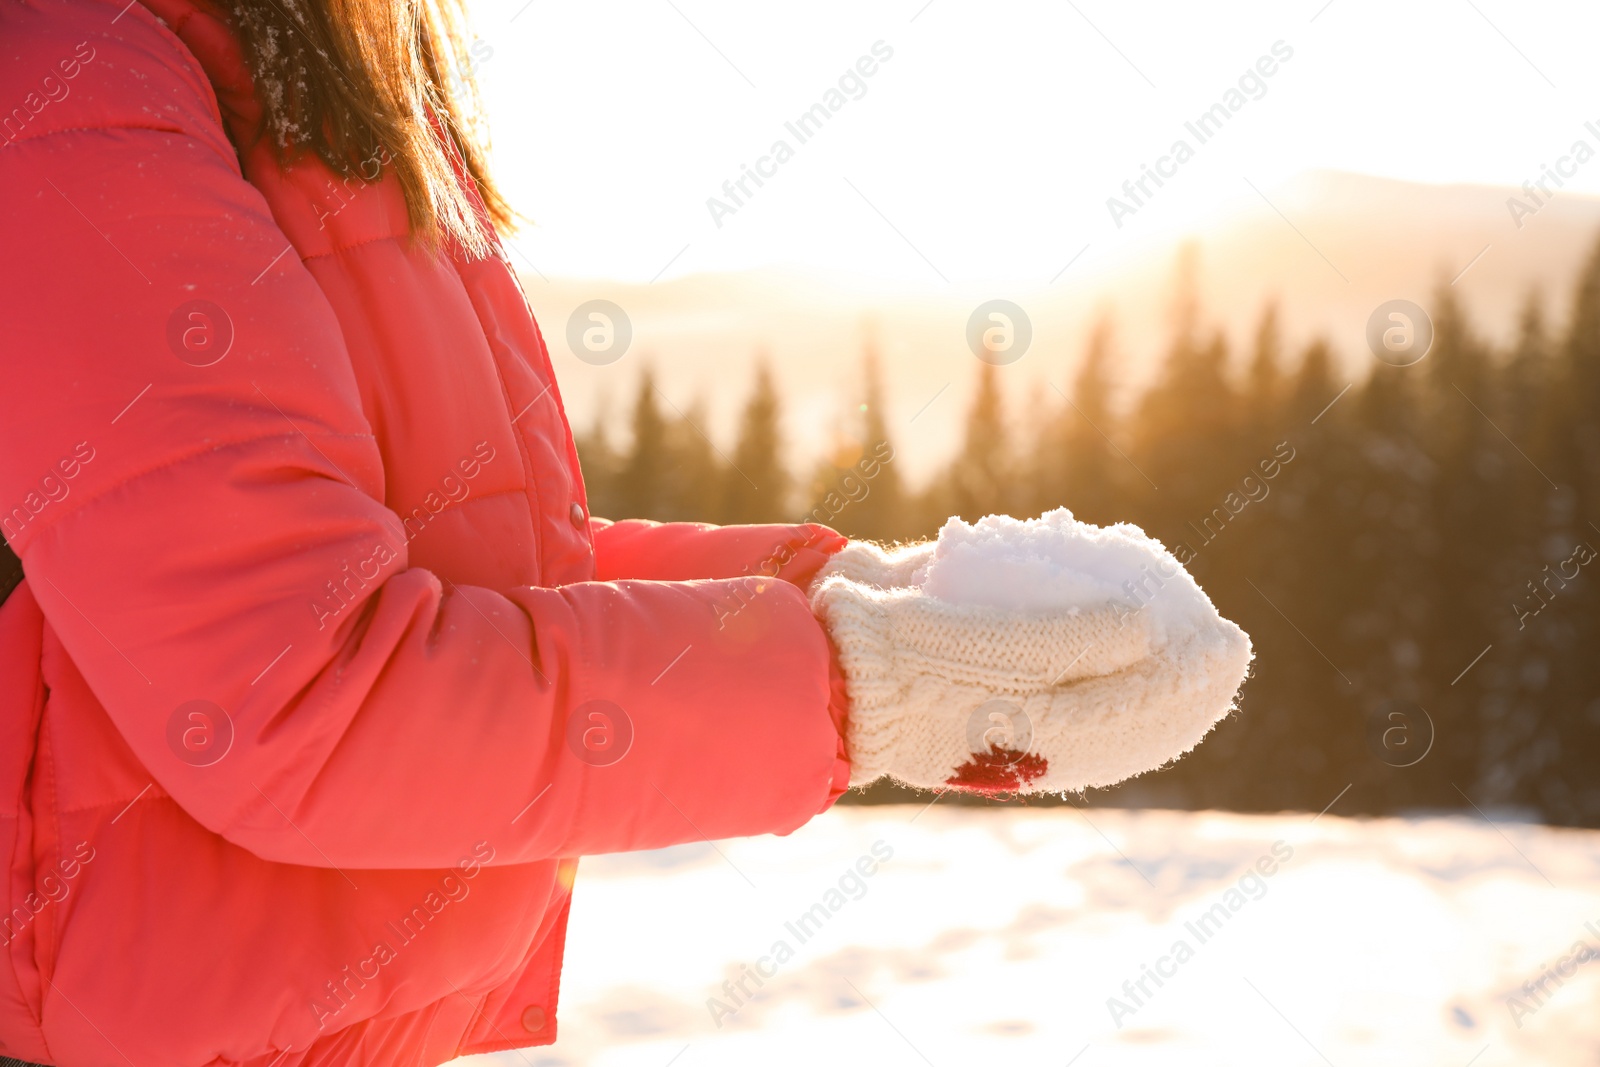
(321, 668)
(321, 674)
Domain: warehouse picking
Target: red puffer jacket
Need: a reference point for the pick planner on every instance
(320, 673)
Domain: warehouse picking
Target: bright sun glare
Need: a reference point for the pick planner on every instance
(986, 141)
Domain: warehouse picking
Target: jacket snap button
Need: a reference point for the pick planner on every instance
(533, 1018)
(576, 514)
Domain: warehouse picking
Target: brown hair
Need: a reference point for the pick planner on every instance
(355, 81)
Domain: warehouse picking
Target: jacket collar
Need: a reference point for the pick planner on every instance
(206, 30)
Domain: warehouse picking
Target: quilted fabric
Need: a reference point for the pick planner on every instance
(321, 674)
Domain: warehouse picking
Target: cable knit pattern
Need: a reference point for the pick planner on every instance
(1090, 697)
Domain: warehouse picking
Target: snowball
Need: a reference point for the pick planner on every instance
(1056, 563)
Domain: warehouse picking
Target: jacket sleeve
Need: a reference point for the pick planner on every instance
(755, 554)
(176, 521)
(676, 551)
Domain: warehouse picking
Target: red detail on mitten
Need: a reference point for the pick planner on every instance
(999, 770)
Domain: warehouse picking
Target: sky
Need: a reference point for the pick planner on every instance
(987, 139)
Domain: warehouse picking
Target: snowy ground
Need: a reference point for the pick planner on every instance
(1004, 932)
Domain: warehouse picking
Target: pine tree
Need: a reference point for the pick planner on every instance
(1530, 375)
(980, 476)
(1264, 382)
(1096, 471)
(639, 481)
(1470, 531)
(757, 487)
(1567, 790)
(599, 462)
(1525, 701)
(692, 473)
(1284, 577)
(857, 489)
(1383, 545)
(1076, 463)
(1185, 445)
(1258, 553)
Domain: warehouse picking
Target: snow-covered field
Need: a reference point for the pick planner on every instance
(1007, 932)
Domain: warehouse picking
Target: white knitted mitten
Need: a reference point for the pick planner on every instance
(989, 699)
(885, 568)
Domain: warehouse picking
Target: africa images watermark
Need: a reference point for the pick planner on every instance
(1566, 166)
(55, 889)
(349, 585)
(1250, 490)
(802, 128)
(851, 885)
(853, 484)
(1252, 885)
(52, 89)
(1537, 992)
(53, 488)
(343, 988)
(1202, 128)
(1552, 582)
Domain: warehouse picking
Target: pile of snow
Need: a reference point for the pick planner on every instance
(1056, 563)
(1110, 652)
